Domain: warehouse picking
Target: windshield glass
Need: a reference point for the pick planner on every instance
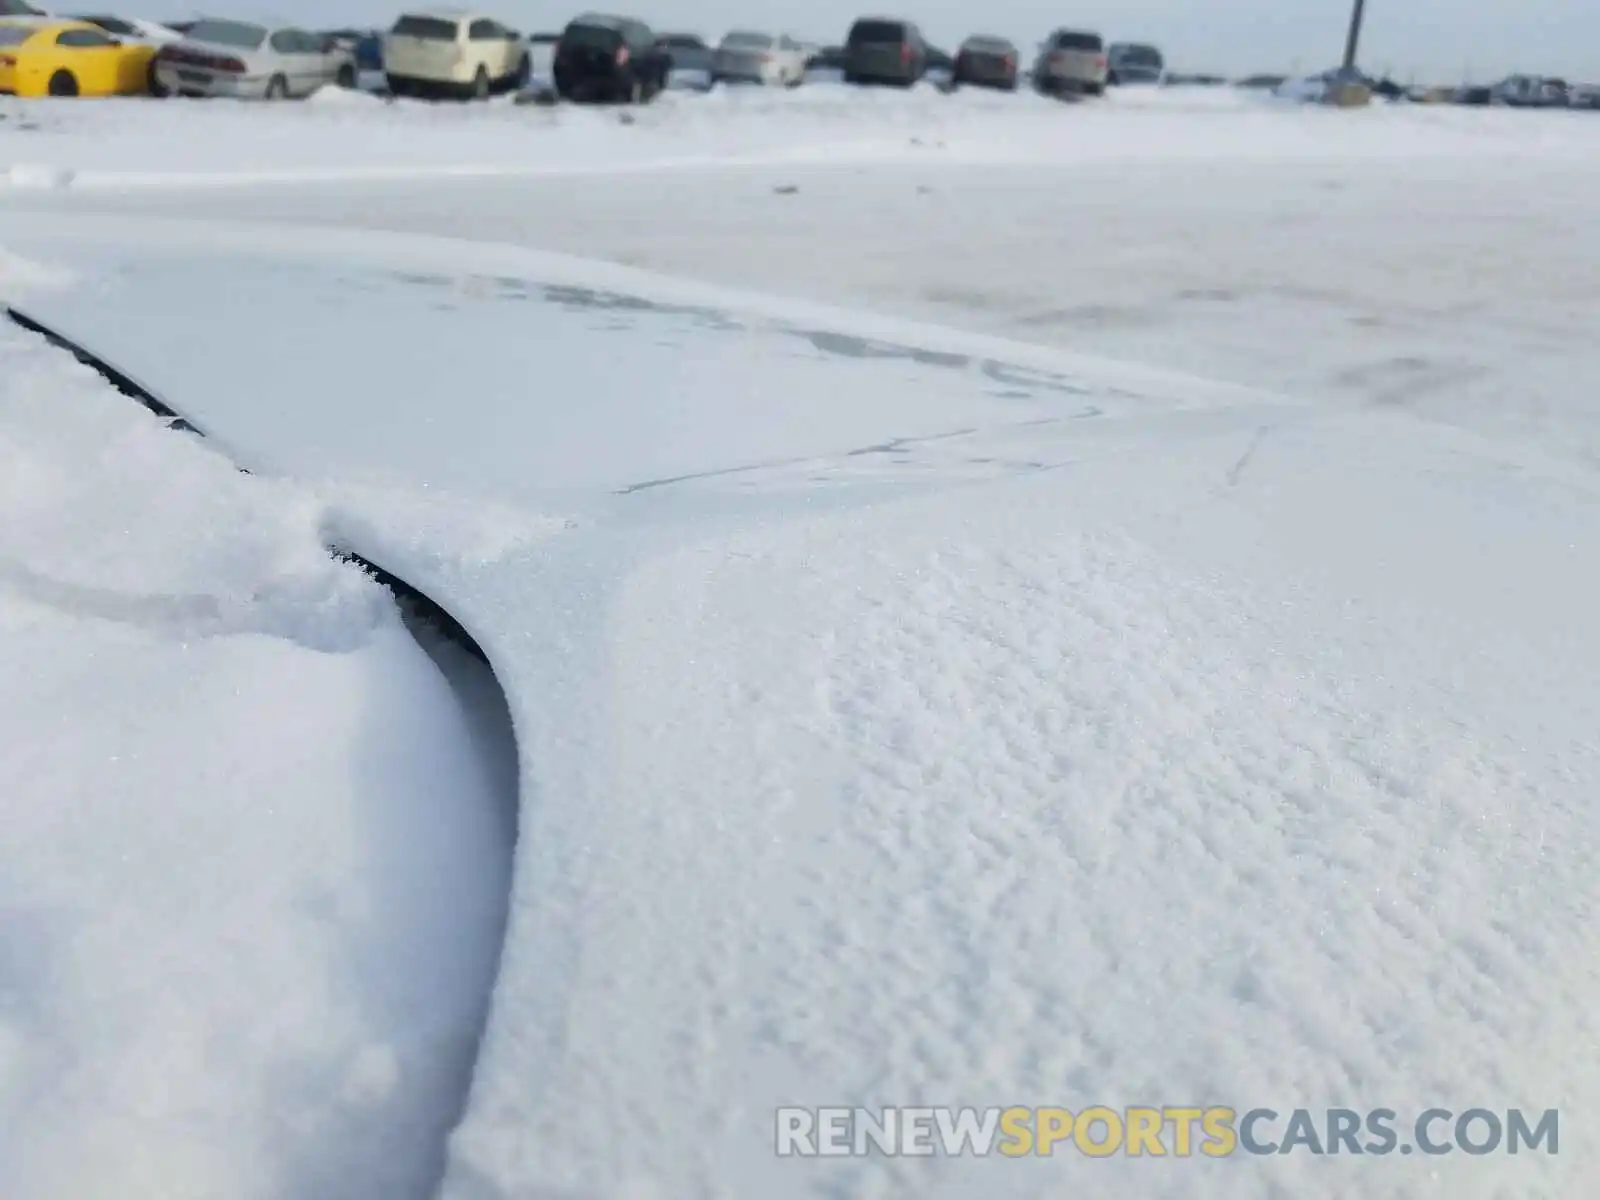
(429, 29)
(10, 35)
(590, 37)
(1139, 56)
(228, 33)
(1078, 41)
(877, 31)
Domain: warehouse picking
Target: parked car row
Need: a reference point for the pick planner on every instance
(1515, 91)
(596, 57)
(471, 55)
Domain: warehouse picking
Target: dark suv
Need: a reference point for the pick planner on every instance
(609, 58)
(885, 50)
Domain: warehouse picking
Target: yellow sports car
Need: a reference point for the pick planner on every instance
(49, 57)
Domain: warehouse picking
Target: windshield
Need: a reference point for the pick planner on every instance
(1139, 56)
(228, 33)
(590, 37)
(1078, 41)
(877, 31)
(428, 29)
(11, 35)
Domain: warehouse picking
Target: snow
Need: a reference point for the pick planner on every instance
(351, 135)
(961, 702)
(240, 806)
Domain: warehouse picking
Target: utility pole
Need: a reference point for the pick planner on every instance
(1355, 34)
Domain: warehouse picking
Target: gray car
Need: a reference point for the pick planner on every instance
(885, 50)
(1129, 63)
(986, 62)
(219, 57)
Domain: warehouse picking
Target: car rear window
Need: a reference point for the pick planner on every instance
(748, 41)
(11, 35)
(1140, 56)
(544, 39)
(427, 29)
(1078, 41)
(681, 41)
(590, 37)
(988, 45)
(877, 31)
(228, 33)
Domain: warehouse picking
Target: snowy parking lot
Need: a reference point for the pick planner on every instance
(990, 602)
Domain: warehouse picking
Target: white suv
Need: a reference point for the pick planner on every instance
(453, 52)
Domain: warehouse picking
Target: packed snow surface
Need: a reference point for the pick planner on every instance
(905, 715)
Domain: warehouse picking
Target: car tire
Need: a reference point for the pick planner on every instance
(153, 84)
(523, 73)
(636, 93)
(346, 77)
(63, 83)
(480, 84)
(1096, 89)
(277, 88)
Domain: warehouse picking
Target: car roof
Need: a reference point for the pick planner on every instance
(443, 14)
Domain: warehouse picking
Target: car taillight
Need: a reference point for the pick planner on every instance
(1100, 62)
(231, 65)
(766, 58)
(622, 56)
(905, 51)
(1007, 62)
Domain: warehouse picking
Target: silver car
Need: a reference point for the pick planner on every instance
(238, 58)
(1072, 61)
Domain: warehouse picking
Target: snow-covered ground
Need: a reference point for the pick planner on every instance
(965, 703)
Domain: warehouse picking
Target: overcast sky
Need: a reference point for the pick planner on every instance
(1435, 39)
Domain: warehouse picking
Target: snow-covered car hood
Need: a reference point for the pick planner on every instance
(907, 715)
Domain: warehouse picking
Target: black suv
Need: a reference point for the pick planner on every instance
(609, 58)
(882, 50)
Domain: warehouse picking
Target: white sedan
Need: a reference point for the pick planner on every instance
(775, 60)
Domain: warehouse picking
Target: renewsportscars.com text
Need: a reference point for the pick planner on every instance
(1100, 1131)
